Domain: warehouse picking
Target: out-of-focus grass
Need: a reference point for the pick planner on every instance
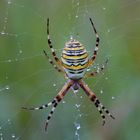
(32, 81)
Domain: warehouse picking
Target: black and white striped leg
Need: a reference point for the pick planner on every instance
(105, 109)
(50, 115)
(97, 44)
(57, 99)
(52, 63)
(96, 101)
(40, 107)
(51, 47)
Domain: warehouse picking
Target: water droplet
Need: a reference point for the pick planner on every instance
(106, 78)
(54, 85)
(9, 121)
(104, 8)
(9, 60)
(108, 30)
(77, 105)
(76, 133)
(78, 3)
(2, 32)
(71, 37)
(20, 51)
(113, 97)
(1, 136)
(13, 136)
(7, 87)
(63, 102)
(77, 125)
(9, 2)
(81, 97)
(101, 91)
(76, 16)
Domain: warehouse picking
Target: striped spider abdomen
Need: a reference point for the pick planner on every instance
(74, 59)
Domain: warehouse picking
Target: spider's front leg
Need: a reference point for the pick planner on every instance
(95, 100)
(55, 101)
(51, 46)
(58, 67)
(97, 45)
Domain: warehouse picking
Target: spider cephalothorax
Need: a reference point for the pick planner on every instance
(74, 63)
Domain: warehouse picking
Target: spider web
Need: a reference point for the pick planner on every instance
(27, 79)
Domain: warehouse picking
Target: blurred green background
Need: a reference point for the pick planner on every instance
(27, 78)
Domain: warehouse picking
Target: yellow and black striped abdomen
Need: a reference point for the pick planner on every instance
(74, 59)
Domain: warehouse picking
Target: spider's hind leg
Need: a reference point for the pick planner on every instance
(40, 107)
(96, 101)
(58, 98)
(50, 115)
(55, 101)
(104, 109)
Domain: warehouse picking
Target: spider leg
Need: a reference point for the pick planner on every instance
(95, 100)
(97, 44)
(50, 115)
(51, 47)
(55, 101)
(52, 63)
(97, 71)
(40, 107)
(58, 98)
(105, 110)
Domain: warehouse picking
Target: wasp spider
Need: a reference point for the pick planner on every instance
(73, 64)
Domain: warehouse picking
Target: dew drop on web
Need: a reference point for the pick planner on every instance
(13, 136)
(78, 126)
(101, 91)
(112, 97)
(7, 87)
